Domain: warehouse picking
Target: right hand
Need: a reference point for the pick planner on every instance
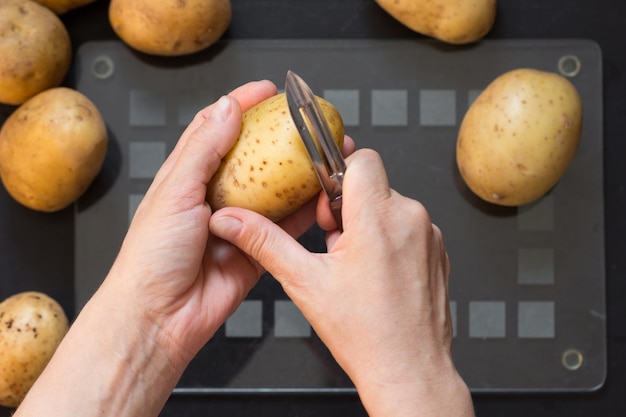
(379, 297)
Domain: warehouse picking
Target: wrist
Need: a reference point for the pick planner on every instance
(436, 390)
(111, 361)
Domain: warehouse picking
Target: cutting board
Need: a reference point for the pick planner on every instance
(527, 283)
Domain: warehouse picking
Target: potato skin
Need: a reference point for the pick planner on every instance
(51, 149)
(35, 50)
(63, 6)
(451, 21)
(170, 27)
(31, 327)
(268, 169)
(519, 137)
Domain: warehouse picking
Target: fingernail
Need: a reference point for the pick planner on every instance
(221, 110)
(225, 226)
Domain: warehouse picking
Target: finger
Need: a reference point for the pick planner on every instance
(325, 218)
(365, 188)
(252, 93)
(441, 247)
(348, 146)
(247, 95)
(366, 176)
(266, 242)
(206, 146)
(439, 260)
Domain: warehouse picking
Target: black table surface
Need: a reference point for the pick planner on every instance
(43, 244)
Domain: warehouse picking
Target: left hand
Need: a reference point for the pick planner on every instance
(181, 278)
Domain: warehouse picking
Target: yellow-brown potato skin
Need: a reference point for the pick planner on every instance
(519, 137)
(268, 169)
(170, 27)
(51, 149)
(63, 6)
(35, 50)
(451, 21)
(31, 327)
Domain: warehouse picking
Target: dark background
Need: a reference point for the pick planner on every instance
(43, 244)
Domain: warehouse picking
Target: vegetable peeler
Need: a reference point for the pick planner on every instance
(318, 140)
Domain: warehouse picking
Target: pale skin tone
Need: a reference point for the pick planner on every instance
(378, 299)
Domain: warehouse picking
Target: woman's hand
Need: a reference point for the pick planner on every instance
(378, 298)
(179, 277)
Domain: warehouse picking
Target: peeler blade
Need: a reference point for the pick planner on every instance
(318, 140)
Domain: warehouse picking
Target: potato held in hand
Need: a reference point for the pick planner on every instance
(451, 21)
(31, 327)
(51, 149)
(268, 169)
(519, 136)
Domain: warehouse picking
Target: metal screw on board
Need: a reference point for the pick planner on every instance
(102, 67)
(572, 359)
(569, 65)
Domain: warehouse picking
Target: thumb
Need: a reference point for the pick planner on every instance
(266, 242)
(365, 188)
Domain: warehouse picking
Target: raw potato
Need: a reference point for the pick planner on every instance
(35, 50)
(63, 6)
(268, 169)
(451, 21)
(51, 149)
(519, 137)
(31, 327)
(170, 27)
